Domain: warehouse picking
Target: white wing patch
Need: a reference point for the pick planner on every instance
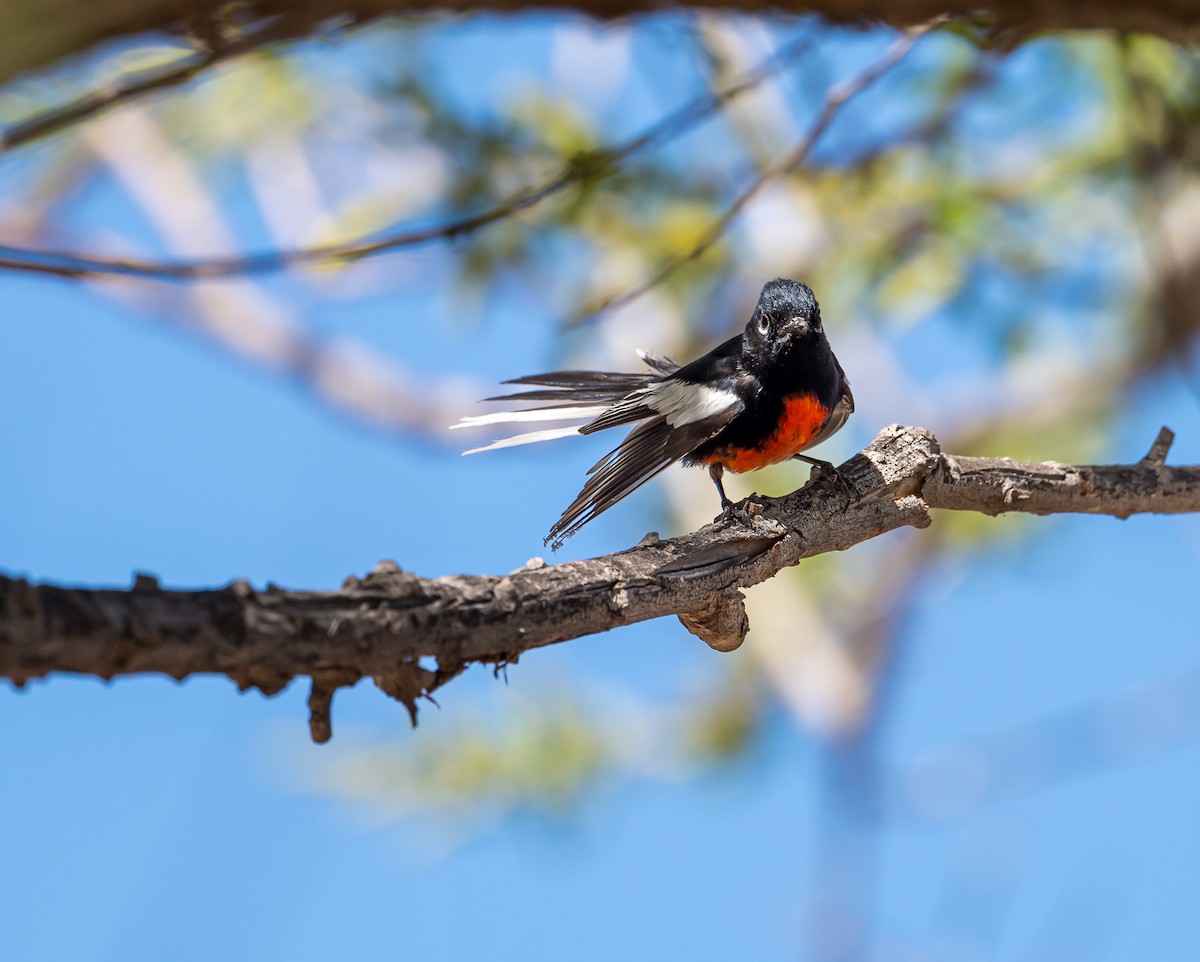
(683, 403)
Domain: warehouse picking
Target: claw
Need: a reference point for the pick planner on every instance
(822, 468)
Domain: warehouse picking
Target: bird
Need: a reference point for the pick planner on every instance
(763, 396)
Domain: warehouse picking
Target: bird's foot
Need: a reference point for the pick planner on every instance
(745, 510)
(821, 470)
(824, 469)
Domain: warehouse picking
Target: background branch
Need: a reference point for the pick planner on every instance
(29, 41)
(589, 167)
(247, 321)
(837, 97)
(385, 625)
(212, 49)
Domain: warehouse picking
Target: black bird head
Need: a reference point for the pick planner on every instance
(787, 315)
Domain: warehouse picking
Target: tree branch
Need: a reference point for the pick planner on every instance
(213, 50)
(29, 40)
(384, 625)
(244, 320)
(592, 166)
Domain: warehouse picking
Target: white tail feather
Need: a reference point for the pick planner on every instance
(533, 437)
(538, 414)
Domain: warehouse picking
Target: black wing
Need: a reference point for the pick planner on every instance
(722, 362)
(648, 449)
(578, 387)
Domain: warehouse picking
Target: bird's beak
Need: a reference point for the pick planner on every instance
(799, 326)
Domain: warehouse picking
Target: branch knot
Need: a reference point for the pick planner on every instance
(722, 624)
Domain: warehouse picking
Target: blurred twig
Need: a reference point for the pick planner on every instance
(214, 50)
(837, 97)
(848, 856)
(1137, 724)
(587, 167)
(119, 91)
(240, 317)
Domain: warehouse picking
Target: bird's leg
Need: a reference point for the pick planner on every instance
(716, 472)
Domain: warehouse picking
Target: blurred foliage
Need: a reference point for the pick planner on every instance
(545, 759)
(1006, 202)
(552, 754)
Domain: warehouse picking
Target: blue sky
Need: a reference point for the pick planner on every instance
(146, 819)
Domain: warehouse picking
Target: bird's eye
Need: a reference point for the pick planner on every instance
(764, 326)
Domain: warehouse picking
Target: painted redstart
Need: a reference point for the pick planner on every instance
(762, 397)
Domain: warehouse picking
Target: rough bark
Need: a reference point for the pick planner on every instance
(411, 634)
(36, 36)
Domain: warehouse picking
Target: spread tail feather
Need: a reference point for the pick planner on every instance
(556, 413)
(670, 417)
(581, 396)
(533, 437)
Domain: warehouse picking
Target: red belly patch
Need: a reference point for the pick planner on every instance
(801, 420)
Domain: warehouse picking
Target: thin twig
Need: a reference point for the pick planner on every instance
(591, 166)
(242, 318)
(119, 91)
(837, 97)
(1138, 724)
(132, 86)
